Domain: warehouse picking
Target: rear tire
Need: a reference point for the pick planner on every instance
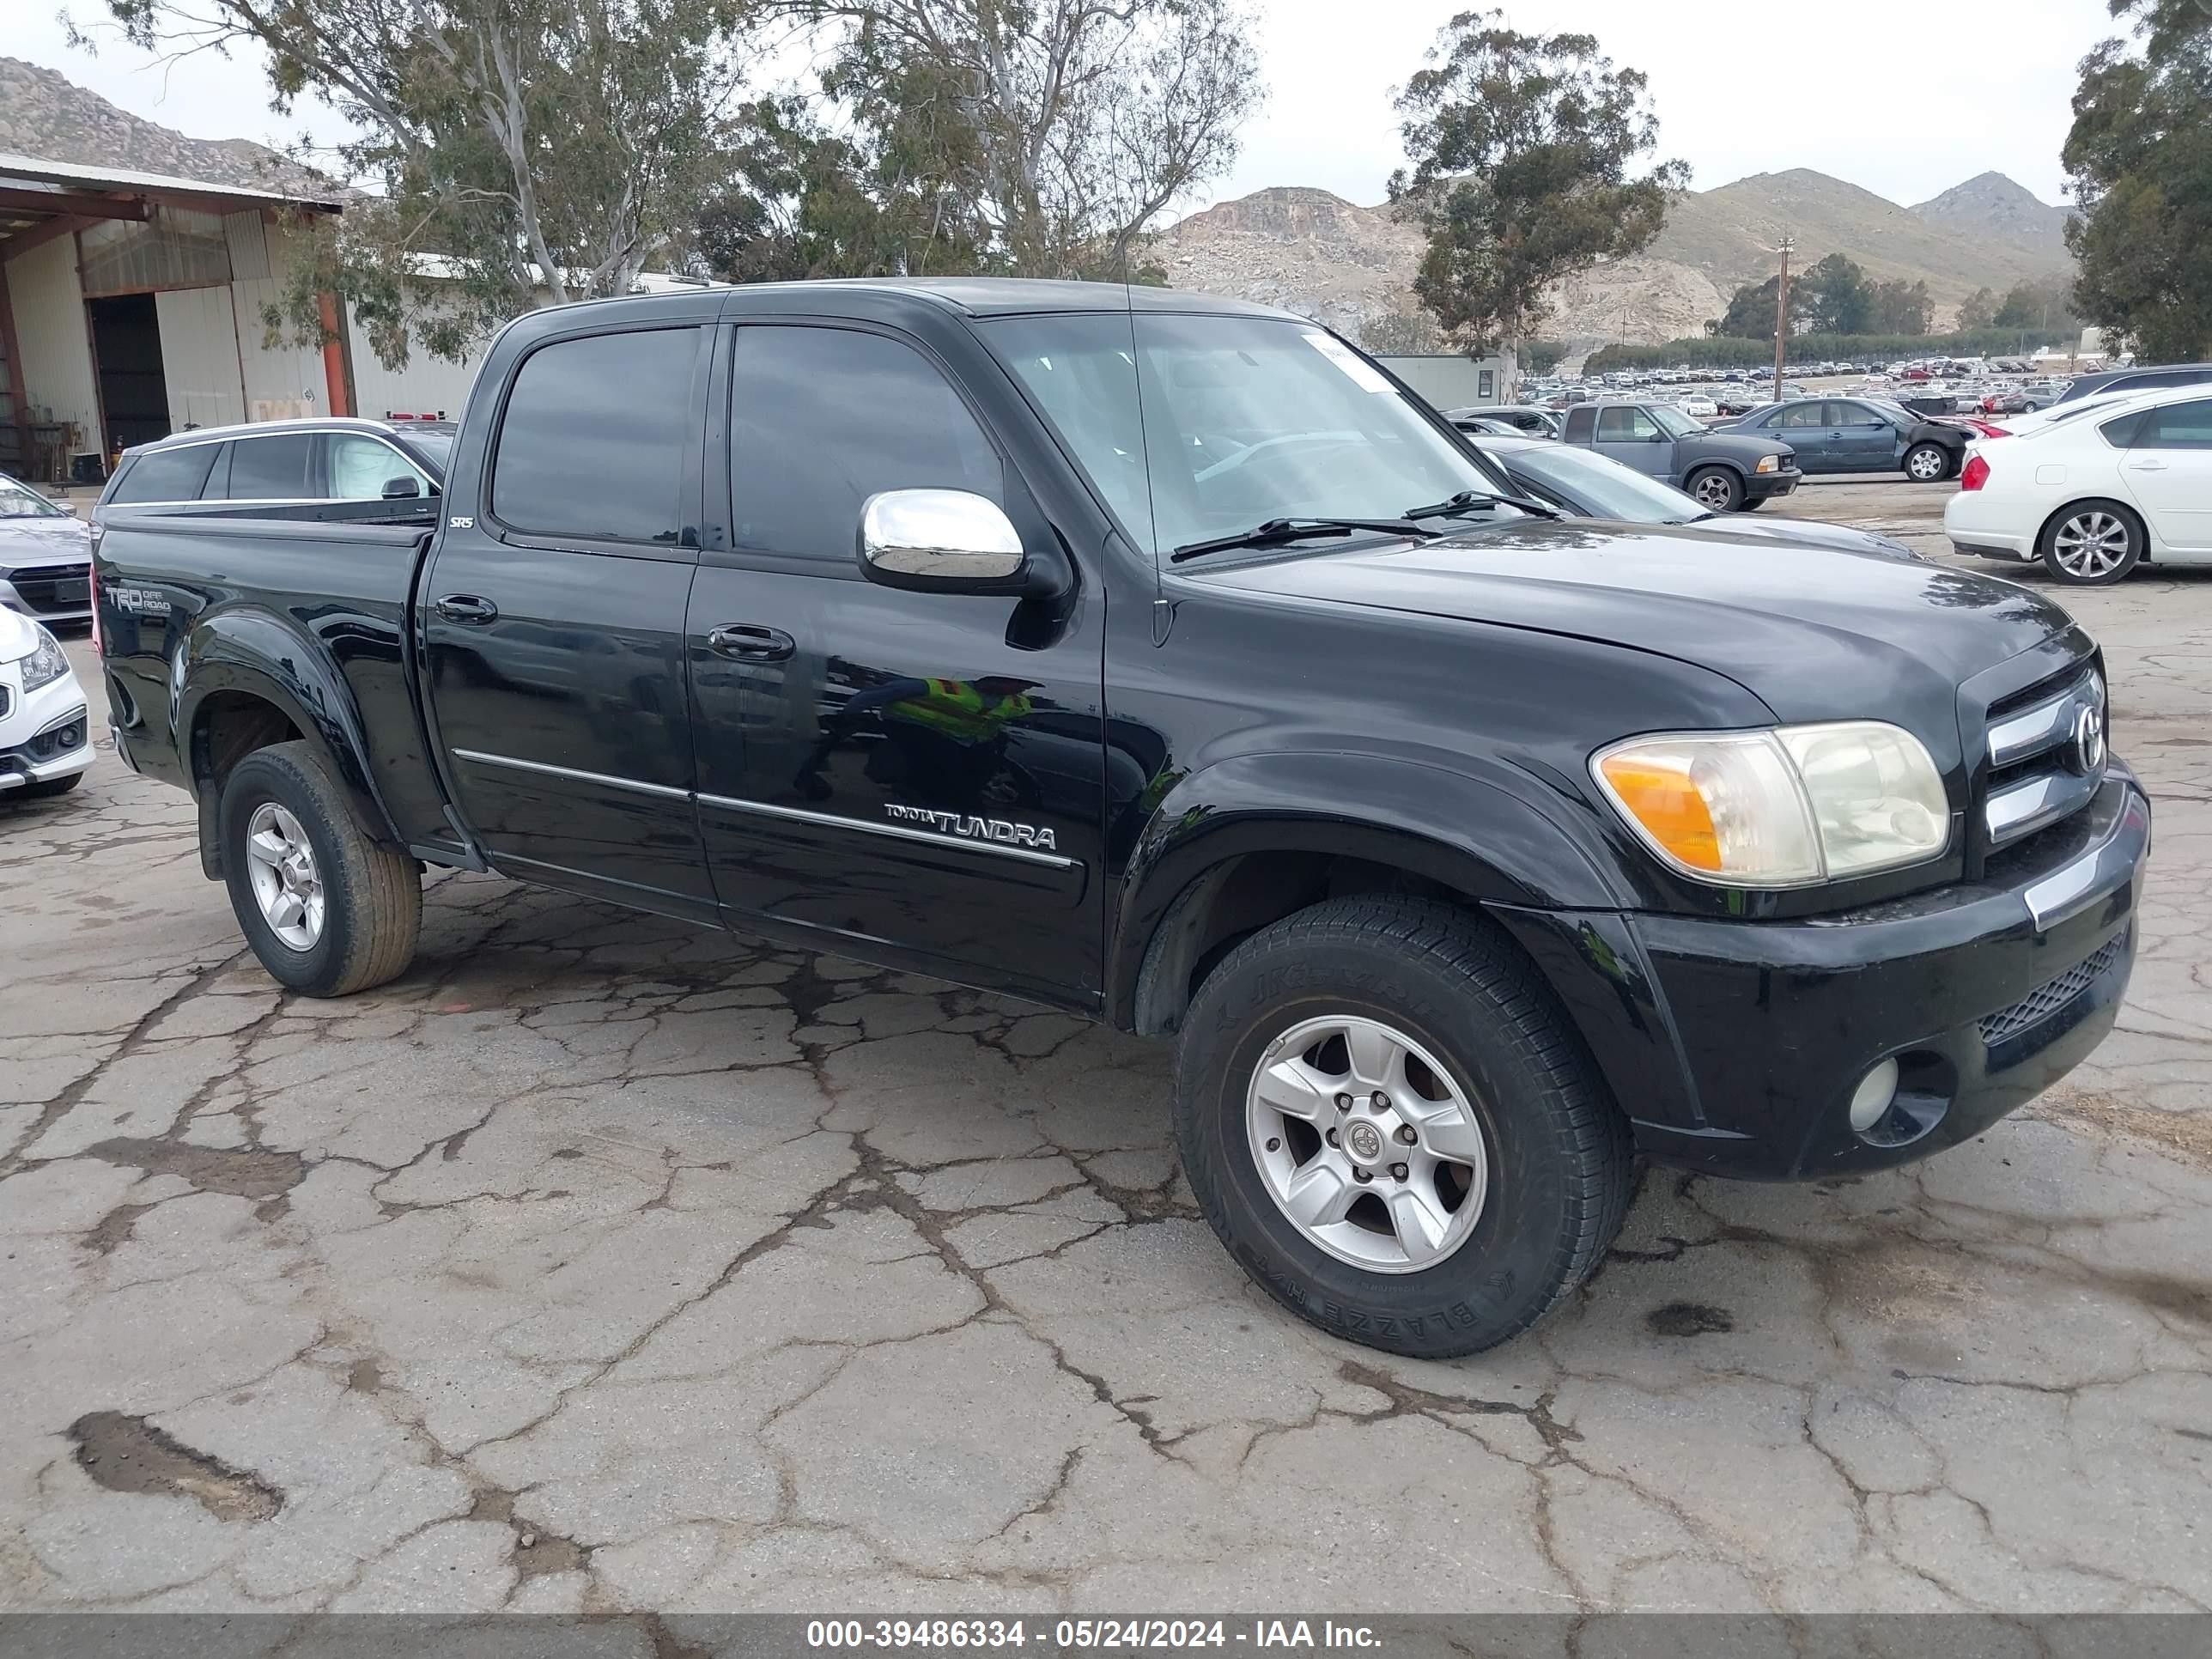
(1716, 489)
(2092, 544)
(327, 909)
(1512, 1118)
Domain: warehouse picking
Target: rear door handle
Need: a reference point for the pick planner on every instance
(467, 608)
(752, 642)
(2148, 466)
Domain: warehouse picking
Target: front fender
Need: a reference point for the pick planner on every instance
(254, 653)
(1497, 840)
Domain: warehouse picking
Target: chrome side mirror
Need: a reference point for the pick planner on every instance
(943, 541)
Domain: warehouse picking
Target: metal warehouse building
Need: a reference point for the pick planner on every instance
(130, 307)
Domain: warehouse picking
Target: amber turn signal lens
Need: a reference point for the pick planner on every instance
(1658, 792)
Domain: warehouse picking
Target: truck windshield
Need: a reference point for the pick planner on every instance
(1242, 420)
(1672, 420)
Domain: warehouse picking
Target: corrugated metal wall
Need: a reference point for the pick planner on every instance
(427, 386)
(50, 325)
(280, 381)
(199, 356)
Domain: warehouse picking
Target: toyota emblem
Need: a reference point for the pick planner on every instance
(2088, 740)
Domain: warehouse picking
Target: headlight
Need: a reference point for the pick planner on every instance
(1785, 808)
(1768, 464)
(45, 664)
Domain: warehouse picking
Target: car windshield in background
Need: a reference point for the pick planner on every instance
(1673, 422)
(435, 447)
(1611, 490)
(1244, 419)
(20, 500)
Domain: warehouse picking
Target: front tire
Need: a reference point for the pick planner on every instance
(1926, 463)
(2092, 544)
(1716, 489)
(328, 910)
(1496, 1166)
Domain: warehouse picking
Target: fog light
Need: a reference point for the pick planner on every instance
(1872, 1098)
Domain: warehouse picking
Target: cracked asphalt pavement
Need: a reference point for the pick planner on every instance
(600, 1264)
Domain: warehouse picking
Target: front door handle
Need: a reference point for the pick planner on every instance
(752, 642)
(467, 608)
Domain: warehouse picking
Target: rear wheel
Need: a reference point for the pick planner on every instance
(2092, 544)
(1926, 463)
(1716, 489)
(328, 910)
(1394, 1129)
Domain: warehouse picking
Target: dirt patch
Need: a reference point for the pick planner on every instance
(2186, 1136)
(115, 1228)
(129, 1453)
(240, 1172)
(1689, 1319)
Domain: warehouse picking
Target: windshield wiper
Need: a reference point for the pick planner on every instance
(1276, 531)
(1474, 500)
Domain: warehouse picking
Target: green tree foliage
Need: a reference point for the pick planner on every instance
(1978, 309)
(2140, 160)
(2046, 304)
(1750, 315)
(1522, 147)
(1900, 308)
(524, 150)
(1839, 300)
(1042, 138)
(1542, 356)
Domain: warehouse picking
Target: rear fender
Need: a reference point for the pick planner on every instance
(255, 654)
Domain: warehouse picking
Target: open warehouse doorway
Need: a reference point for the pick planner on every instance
(126, 354)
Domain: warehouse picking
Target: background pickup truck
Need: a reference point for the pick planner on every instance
(1163, 660)
(1725, 472)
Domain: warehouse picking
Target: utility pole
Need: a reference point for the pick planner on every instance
(1782, 313)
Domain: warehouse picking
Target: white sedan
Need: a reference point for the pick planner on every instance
(1698, 406)
(2094, 497)
(45, 733)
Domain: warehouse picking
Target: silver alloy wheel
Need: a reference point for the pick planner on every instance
(281, 863)
(1366, 1144)
(2091, 544)
(1924, 463)
(1711, 491)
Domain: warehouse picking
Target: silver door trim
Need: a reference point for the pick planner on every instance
(895, 831)
(660, 789)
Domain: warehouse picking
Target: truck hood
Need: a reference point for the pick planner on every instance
(1815, 634)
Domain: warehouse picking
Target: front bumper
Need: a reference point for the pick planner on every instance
(1770, 486)
(61, 745)
(1735, 1047)
(56, 594)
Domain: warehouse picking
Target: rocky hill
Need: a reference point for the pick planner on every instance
(44, 115)
(1326, 258)
(1991, 205)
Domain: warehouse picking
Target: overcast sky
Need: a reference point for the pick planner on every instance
(1904, 97)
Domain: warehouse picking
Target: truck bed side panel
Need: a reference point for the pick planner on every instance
(195, 605)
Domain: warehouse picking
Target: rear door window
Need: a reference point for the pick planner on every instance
(2178, 426)
(596, 437)
(272, 469)
(166, 475)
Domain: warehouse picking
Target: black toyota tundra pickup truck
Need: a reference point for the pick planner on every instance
(1163, 659)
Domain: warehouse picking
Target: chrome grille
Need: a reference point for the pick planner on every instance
(2048, 998)
(2046, 758)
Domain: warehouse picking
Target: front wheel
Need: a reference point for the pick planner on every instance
(328, 910)
(1716, 489)
(1395, 1130)
(1926, 463)
(2092, 544)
